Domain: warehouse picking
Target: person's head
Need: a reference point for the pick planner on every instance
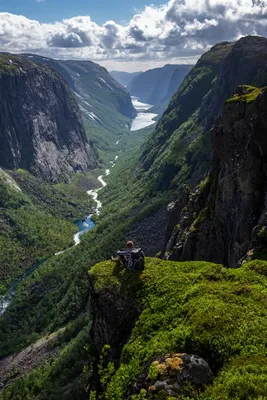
(130, 244)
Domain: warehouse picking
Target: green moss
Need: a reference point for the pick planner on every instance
(203, 216)
(249, 94)
(112, 276)
(205, 182)
(244, 378)
(7, 67)
(105, 276)
(21, 171)
(200, 308)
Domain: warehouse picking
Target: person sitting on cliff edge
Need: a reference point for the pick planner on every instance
(132, 258)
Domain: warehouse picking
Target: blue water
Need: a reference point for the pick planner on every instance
(5, 299)
(85, 225)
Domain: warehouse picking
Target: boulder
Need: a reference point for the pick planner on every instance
(171, 374)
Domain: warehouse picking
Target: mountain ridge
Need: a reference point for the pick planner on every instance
(179, 148)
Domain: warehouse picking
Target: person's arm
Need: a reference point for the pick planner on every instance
(122, 252)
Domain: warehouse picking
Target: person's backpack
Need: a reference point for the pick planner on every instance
(138, 259)
(134, 259)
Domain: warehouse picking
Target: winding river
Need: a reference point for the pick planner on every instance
(142, 120)
(83, 225)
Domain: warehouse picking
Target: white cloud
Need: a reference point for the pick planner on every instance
(178, 30)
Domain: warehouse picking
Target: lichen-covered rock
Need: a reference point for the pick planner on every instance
(41, 128)
(170, 374)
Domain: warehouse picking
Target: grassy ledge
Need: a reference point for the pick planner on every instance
(199, 308)
(245, 94)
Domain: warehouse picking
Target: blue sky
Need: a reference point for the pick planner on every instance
(127, 35)
(55, 10)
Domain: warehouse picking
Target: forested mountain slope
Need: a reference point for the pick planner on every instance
(40, 128)
(36, 221)
(179, 148)
(42, 142)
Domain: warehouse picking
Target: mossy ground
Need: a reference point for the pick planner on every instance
(7, 64)
(248, 95)
(198, 308)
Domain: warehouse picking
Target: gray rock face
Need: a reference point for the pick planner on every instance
(245, 64)
(92, 84)
(150, 232)
(227, 215)
(169, 374)
(40, 125)
(115, 313)
(95, 79)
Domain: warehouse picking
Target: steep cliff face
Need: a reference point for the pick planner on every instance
(245, 64)
(226, 216)
(159, 84)
(40, 127)
(105, 105)
(89, 78)
(179, 148)
(111, 327)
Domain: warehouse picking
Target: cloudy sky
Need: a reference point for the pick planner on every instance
(127, 35)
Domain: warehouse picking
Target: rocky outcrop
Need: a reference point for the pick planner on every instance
(114, 308)
(169, 375)
(40, 128)
(227, 215)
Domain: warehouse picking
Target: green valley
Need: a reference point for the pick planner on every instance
(189, 190)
